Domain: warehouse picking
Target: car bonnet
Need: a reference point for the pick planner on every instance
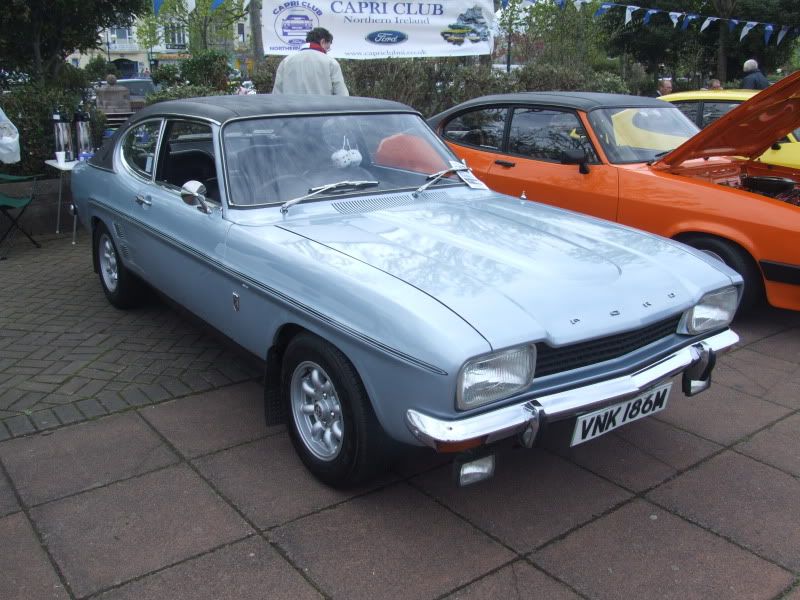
(515, 269)
(748, 130)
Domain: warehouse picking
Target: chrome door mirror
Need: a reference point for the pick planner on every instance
(192, 193)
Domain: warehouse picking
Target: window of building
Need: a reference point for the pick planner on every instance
(174, 36)
(121, 34)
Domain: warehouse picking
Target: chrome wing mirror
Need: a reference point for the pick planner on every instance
(194, 193)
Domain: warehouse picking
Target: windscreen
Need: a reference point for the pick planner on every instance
(630, 135)
(272, 160)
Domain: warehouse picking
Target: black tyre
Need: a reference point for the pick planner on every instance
(330, 419)
(738, 260)
(120, 286)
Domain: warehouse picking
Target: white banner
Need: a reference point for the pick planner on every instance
(382, 29)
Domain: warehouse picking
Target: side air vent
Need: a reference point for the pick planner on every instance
(123, 247)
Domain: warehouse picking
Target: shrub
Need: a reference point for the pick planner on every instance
(71, 78)
(166, 75)
(545, 76)
(97, 68)
(428, 85)
(208, 67)
(177, 92)
(263, 76)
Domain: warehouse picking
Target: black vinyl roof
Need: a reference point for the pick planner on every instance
(585, 101)
(225, 108)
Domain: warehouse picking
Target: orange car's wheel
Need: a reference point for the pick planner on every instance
(737, 259)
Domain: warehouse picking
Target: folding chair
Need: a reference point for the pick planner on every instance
(15, 203)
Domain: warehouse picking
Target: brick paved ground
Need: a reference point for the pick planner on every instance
(66, 355)
(156, 478)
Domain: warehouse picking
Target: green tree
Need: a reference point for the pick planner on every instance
(148, 34)
(37, 35)
(256, 34)
(206, 27)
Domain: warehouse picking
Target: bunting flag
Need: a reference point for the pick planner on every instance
(688, 19)
(603, 9)
(157, 6)
(707, 22)
(781, 34)
(685, 19)
(649, 14)
(629, 10)
(746, 29)
(768, 29)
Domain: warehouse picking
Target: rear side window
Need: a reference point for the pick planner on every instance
(483, 128)
(139, 148)
(714, 110)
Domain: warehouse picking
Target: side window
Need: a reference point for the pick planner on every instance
(139, 148)
(545, 134)
(483, 128)
(714, 110)
(690, 109)
(188, 155)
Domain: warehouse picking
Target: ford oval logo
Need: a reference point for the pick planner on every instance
(387, 37)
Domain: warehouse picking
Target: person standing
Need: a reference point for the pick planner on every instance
(753, 78)
(311, 70)
(664, 87)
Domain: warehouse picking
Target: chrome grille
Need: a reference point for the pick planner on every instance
(557, 360)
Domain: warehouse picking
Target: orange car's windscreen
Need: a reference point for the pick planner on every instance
(631, 135)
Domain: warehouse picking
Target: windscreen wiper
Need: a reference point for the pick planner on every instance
(659, 155)
(328, 187)
(434, 177)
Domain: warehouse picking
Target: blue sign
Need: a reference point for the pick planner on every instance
(387, 37)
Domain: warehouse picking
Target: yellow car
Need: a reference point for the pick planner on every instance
(705, 106)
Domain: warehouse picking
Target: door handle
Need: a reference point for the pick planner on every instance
(142, 201)
(505, 163)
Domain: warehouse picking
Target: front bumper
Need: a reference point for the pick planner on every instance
(696, 363)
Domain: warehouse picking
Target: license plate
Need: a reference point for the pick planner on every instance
(606, 419)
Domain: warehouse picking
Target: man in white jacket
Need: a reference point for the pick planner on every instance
(311, 70)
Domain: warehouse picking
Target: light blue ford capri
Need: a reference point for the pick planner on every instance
(393, 298)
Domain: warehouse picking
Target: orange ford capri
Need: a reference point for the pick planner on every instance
(643, 163)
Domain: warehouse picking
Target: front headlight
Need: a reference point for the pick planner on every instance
(714, 311)
(496, 376)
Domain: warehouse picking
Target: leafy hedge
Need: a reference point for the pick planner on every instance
(208, 67)
(177, 92)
